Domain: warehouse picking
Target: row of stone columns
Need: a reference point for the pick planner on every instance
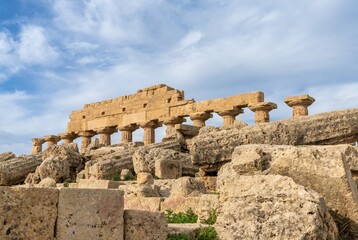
(299, 105)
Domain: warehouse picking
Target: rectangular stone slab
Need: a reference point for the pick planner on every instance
(90, 214)
(28, 213)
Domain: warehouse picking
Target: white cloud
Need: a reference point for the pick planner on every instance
(190, 39)
(34, 48)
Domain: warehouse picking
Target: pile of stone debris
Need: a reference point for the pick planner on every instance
(290, 179)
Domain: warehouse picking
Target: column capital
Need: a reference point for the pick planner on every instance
(51, 138)
(173, 120)
(233, 112)
(38, 141)
(67, 135)
(303, 100)
(150, 124)
(201, 116)
(89, 133)
(108, 130)
(263, 106)
(129, 127)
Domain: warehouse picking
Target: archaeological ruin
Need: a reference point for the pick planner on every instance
(294, 178)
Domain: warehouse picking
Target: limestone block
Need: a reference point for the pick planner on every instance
(28, 213)
(90, 214)
(66, 152)
(324, 169)
(187, 187)
(145, 225)
(271, 207)
(202, 206)
(47, 182)
(145, 178)
(54, 167)
(6, 156)
(15, 170)
(164, 186)
(143, 203)
(139, 190)
(168, 169)
(188, 229)
(126, 174)
(94, 183)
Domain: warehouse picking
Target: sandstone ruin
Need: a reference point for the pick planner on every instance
(289, 179)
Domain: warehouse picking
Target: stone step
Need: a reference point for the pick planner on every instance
(189, 229)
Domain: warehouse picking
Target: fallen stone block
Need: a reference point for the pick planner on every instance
(90, 214)
(145, 225)
(94, 183)
(168, 169)
(28, 213)
(271, 207)
(216, 146)
(187, 187)
(143, 203)
(325, 169)
(6, 156)
(15, 171)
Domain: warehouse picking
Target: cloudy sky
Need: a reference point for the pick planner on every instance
(57, 55)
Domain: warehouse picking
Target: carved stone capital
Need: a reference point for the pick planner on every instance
(303, 100)
(51, 138)
(200, 116)
(87, 134)
(233, 112)
(38, 141)
(173, 120)
(263, 106)
(151, 124)
(130, 127)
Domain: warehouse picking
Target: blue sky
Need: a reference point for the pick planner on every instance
(57, 55)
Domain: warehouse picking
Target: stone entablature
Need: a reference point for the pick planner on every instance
(149, 109)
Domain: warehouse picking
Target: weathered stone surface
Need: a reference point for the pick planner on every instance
(188, 229)
(90, 214)
(126, 174)
(145, 178)
(6, 156)
(66, 152)
(187, 187)
(168, 169)
(164, 186)
(145, 225)
(15, 170)
(327, 128)
(202, 206)
(54, 167)
(47, 182)
(142, 203)
(325, 169)
(94, 183)
(271, 207)
(139, 190)
(28, 213)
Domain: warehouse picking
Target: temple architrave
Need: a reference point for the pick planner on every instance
(149, 109)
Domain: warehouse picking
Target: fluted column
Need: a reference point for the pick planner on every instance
(199, 118)
(127, 132)
(170, 123)
(86, 139)
(105, 135)
(37, 145)
(51, 140)
(262, 110)
(230, 115)
(149, 131)
(299, 104)
(67, 137)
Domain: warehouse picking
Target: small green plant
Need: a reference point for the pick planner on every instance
(129, 178)
(187, 217)
(66, 184)
(212, 218)
(205, 233)
(115, 177)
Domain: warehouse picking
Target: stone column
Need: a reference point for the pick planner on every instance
(51, 140)
(127, 132)
(299, 104)
(86, 139)
(149, 131)
(67, 137)
(170, 123)
(105, 135)
(230, 115)
(262, 110)
(37, 145)
(199, 118)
